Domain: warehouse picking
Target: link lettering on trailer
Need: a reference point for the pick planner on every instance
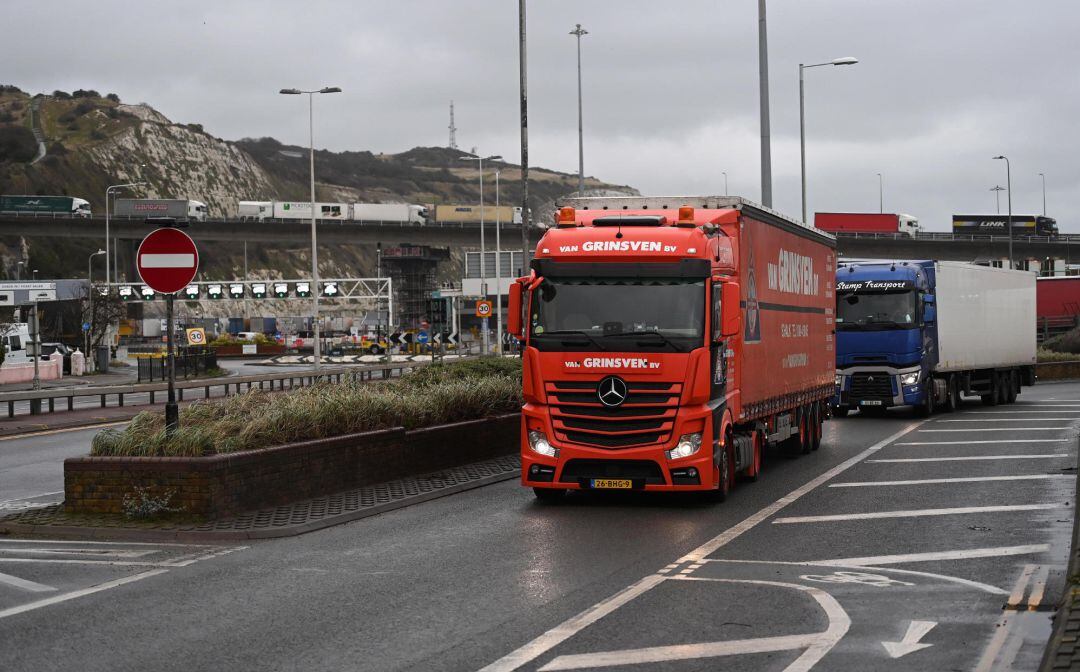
(793, 273)
(613, 363)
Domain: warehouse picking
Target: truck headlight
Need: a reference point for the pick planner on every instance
(688, 445)
(910, 378)
(839, 380)
(540, 444)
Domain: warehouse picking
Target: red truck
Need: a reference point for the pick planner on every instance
(866, 222)
(668, 341)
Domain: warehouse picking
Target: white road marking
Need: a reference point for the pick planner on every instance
(1000, 551)
(971, 479)
(90, 552)
(915, 513)
(23, 499)
(910, 643)
(816, 644)
(968, 443)
(32, 586)
(23, 608)
(971, 457)
(999, 429)
(569, 628)
(986, 588)
(864, 578)
(1012, 420)
(70, 542)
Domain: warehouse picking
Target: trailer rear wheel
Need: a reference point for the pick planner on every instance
(1013, 389)
(806, 432)
(992, 398)
(950, 395)
(757, 440)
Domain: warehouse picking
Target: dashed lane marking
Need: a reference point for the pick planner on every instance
(968, 443)
(560, 633)
(972, 479)
(915, 513)
(970, 457)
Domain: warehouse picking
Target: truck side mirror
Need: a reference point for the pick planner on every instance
(929, 311)
(731, 315)
(513, 311)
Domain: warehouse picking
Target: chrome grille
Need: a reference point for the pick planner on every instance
(646, 417)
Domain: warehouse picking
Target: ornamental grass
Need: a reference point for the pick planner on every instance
(432, 395)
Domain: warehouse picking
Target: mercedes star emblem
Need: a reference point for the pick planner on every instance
(612, 391)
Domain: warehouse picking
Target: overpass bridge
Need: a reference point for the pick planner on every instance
(944, 246)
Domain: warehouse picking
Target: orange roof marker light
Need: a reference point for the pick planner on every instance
(566, 217)
(686, 216)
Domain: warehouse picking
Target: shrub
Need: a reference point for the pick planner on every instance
(450, 393)
(96, 134)
(142, 505)
(113, 97)
(85, 93)
(17, 144)
(1067, 342)
(1045, 355)
(9, 88)
(66, 118)
(61, 95)
(84, 107)
(6, 116)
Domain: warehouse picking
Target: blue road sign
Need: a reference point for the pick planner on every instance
(86, 326)
(422, 337)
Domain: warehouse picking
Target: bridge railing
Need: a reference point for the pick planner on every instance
(941, 235)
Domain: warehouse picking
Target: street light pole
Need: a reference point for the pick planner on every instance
(725, 182)
(1044, 192)
(483, 254)
(109, 190)
(316, 290)
(498, 270)
(90, 304)
(763, 94)
(523, 93)
(847, 60)
(579, 31)
(881, 193)
(1008, 194)
(997, 189)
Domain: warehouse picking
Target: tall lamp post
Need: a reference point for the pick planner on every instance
(523, 97)
(483, 254)
(316, 289)
(763, 94)
(881, 193)
(498, 270)
(90, 302)
(1008, 194)
(724, 173)
(997, 189)
(108, 191)
(847, 60)
(1043, 176)
(579, 31)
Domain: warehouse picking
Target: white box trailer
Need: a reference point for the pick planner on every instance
(302, 210)
(389, 212)
(985, 317)
(257, 210)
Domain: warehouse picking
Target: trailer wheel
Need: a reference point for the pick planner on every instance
(549, 495)
(806, 439)
(958, 393)
(1013, 389)
(757, 440)
(815, 427)
(950, 395)
(991, 399)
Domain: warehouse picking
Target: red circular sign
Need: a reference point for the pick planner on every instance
(167, 260)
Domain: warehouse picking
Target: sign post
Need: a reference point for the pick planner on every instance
(168, 261)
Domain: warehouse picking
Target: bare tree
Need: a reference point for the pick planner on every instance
(105, 309)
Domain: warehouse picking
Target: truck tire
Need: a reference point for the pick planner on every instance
(725, 473)
(815, 427)
(757, 452)
(926, 409)
(958, 394)
(950, 395)
(991, 399)
(1013, 388)
(806, 430)
(549, 495)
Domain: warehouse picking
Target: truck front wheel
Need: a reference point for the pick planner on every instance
(926, 409)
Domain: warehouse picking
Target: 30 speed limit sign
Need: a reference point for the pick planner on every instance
(483, 308)
(196, 336)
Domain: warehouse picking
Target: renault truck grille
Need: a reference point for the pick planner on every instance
(871, 386)
(646, 417)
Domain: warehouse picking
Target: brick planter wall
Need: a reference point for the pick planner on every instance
(223, 485)
(1057, 370)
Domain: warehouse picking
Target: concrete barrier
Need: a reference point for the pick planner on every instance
(223, 485)
(51, 368)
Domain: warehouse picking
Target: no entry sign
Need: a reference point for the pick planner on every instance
(167, 260)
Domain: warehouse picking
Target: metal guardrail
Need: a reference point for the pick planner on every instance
(279, 381)
(969, 237)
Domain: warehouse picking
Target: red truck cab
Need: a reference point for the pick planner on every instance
(638, 326)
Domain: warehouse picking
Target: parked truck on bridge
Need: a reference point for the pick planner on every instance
(160, 207)
(866, 222)
(470, 214)
(68, 206)
(997, 225)
(302, 210)
(389, 212)
(668, 341)
(925, 333)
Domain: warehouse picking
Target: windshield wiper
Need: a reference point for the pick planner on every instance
(572, 332)
(665, 339)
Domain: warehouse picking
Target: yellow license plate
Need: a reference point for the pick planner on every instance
(612, 483)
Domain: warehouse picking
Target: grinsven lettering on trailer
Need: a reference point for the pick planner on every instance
(618, 246)
(793, 273)
(613, 363)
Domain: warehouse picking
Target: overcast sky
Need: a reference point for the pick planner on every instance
(671, 88)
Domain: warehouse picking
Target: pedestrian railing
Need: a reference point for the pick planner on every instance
(190, 363)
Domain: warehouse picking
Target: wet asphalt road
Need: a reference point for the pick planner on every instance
(900, 545)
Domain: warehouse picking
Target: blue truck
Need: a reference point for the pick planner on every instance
(925, 334)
